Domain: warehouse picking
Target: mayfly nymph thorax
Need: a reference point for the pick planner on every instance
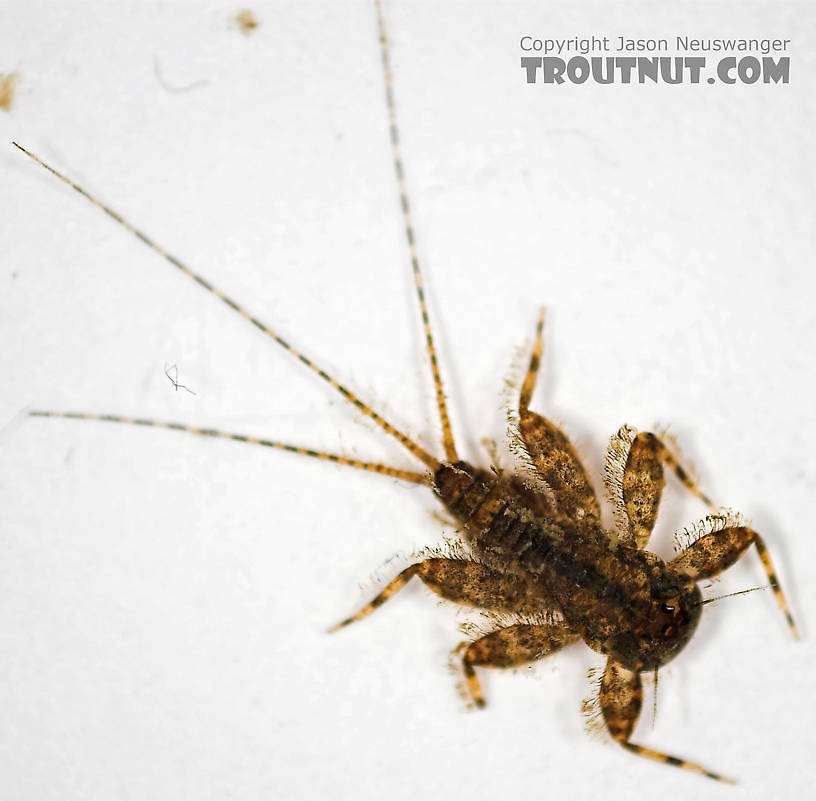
(623, 602)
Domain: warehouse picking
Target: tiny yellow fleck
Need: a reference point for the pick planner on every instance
(8, 85)
(246, 21)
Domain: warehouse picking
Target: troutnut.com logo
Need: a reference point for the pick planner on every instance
(738, 60)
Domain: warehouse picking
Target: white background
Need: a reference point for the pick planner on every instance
(164, 599)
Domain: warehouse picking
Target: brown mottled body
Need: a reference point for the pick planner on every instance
(606, 595)
(533, 545)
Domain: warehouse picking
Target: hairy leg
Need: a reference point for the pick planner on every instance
(459, 580)
(642, 480)
(621, 699)
(551, 453)
(717, 551)
(509, 647)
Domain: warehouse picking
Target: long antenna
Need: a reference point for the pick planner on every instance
(447, 433)
(371, 467)
(733, 594)
(421, 454)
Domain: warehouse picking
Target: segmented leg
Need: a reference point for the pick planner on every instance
(463, 582)
(550, 451)
(717, 551)
(641, 483)
(621, 699)
(510, 647)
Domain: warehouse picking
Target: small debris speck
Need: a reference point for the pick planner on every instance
(8, 85)
(246, 21)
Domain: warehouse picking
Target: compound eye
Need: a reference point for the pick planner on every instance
(667, 608)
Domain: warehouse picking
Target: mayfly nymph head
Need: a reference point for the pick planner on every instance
(664, 626)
